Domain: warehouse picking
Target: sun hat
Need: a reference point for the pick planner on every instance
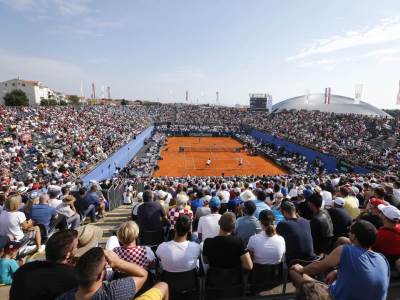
(247, 195)
(339, 201)
(88, 237)
(161, 194)
(389, 211)
(237, 190)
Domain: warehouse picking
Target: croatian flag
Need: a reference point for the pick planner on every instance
(328, 95)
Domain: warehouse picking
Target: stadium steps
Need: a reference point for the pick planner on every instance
(112, 220)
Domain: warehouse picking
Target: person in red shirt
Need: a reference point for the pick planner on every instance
(388, 237)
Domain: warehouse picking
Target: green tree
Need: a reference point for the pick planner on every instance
(124, 102)
(62, 103)
(16, 98)
(44, 102)
(52, 102)
(73, 99)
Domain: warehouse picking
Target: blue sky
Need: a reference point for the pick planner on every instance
(148, 49)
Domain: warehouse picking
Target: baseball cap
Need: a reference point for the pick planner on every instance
(161, 194)
(389, 211)
(215, 202)
(375, 202)
(307, 193)
(339, 201)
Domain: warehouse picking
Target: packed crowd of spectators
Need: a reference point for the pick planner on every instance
(344, 229)
(347, 136)
(60, 143)
(143, 165)
(295, 162)
(45, 144)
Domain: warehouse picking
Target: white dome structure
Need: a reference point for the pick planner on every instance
(338, 104)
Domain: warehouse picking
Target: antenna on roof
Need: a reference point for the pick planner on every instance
(109, 93)
(82, 89)
(93, 91)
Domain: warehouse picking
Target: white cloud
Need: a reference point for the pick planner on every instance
(72, 7)
(56, 74)
(18, 4)
(387, 30)
(382, 53)
(63, 7)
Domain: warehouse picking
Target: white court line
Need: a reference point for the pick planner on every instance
(194, 164)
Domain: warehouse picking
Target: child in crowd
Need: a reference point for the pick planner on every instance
(8, 264)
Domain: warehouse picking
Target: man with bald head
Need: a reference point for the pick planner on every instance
(42, 213)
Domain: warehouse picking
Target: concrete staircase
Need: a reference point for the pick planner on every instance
(112, 220)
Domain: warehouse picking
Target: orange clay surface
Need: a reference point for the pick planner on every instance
(179, 164)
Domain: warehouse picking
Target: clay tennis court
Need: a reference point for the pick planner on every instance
(192, 161)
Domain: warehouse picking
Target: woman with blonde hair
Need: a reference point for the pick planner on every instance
(127, 235)
(14, 224)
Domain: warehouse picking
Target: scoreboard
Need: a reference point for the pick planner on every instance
(260, 102)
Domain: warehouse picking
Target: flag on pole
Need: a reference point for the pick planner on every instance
(358, 93)
(307, 97)
(328, 95)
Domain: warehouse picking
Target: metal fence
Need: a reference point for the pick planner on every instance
(115, 194)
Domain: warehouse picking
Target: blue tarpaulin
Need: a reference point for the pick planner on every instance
(119, 159)
(330, 162)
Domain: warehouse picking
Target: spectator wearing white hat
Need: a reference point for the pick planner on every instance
(67, 208)
(161, 198)
(341, 219)
(137, 201)
(175, 212)
(247, 194)
(388, 236)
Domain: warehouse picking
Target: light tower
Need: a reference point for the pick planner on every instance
(217, 98)
(93, 91)
(109, 93)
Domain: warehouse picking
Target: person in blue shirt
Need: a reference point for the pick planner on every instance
(93, 197)
(260, 202)
(247, 225)
(361, 273)
(42, 213)
(236, 201)
(8, 264)
(276, 208)
(198, 202)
